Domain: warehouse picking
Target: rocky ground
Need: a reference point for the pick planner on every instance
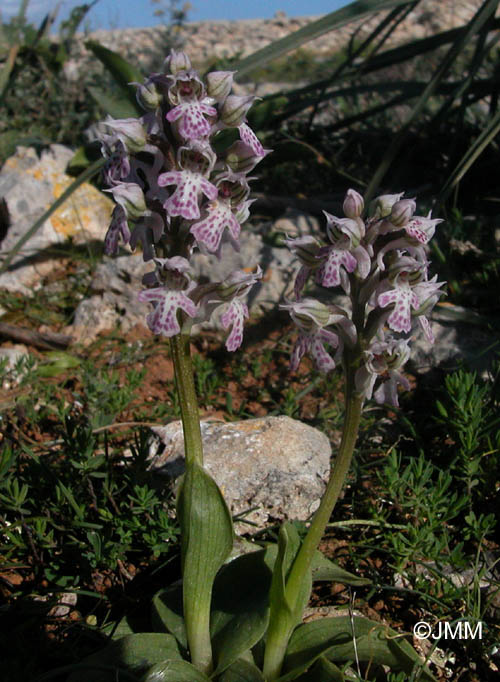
(211, 40)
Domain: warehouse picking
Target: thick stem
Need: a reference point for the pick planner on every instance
(183, 368)
(281, 627)
(196, 616)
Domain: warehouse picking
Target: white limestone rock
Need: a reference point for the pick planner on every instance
(277, 464)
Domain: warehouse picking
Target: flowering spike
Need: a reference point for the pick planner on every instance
(176, 193)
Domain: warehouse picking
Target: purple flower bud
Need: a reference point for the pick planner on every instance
(234, 110)
(381, 206)
(238, 283)
(177, 61)
(402, 212)
(309, 314)
(353, 204)
(130, 132)
(130, 197)
(148, 95)
(307, 249)
(336, 228)
(219, 84)
(241, 158)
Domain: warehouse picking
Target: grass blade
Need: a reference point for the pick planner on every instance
(483, 14)
(470, 157)
(345, 15)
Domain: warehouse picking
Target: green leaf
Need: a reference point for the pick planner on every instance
(134, 654)
(324, 569)
(334, 20)
(322, 671)
(174, 671)
(470, 156)
(206, 542)
(240, 606)
(122, 71)
(6, 70)
(56, 363)
(333, 638)
(285, 609)
(242, 671)
(167, 613)
(83, 157)
(288, 547)
(117, 106)
(79, 510)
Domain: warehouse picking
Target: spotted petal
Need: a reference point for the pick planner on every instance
(118, 228)
(250, 138)
(163, 319)
(404, 299)
(234, 317)
(184, 201)
(314, 345)
(193, 123)
(387, 392)
(209, 231)
(329, 274)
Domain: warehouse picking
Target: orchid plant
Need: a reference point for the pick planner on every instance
(181, 183)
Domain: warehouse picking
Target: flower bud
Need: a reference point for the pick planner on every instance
(336, 228)
(309, 314)
(240, 158)
(219, 84)
(381, 206)
(402, 212)
(307, 249)
(177, 61)
(238, 283)
(353, 204)
(130, 132)
(131, 198)
(148, 96)
(234, 109)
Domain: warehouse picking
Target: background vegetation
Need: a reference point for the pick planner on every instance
(81, 514)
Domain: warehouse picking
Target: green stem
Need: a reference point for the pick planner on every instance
(281, 625)
(196, 615)
(184, 378)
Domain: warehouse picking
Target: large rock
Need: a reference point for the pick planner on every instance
(30, 185)
(276, 464)
(114, 301)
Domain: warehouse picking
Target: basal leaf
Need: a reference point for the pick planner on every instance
(207, 540)
(322, 671)
(174, 671)
(242, 671)
(134, 654)
(240, 606)
(324, 569)
(334, 638)
(167, 613)
(115, 105)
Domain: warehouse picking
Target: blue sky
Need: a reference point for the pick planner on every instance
(135, 13)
